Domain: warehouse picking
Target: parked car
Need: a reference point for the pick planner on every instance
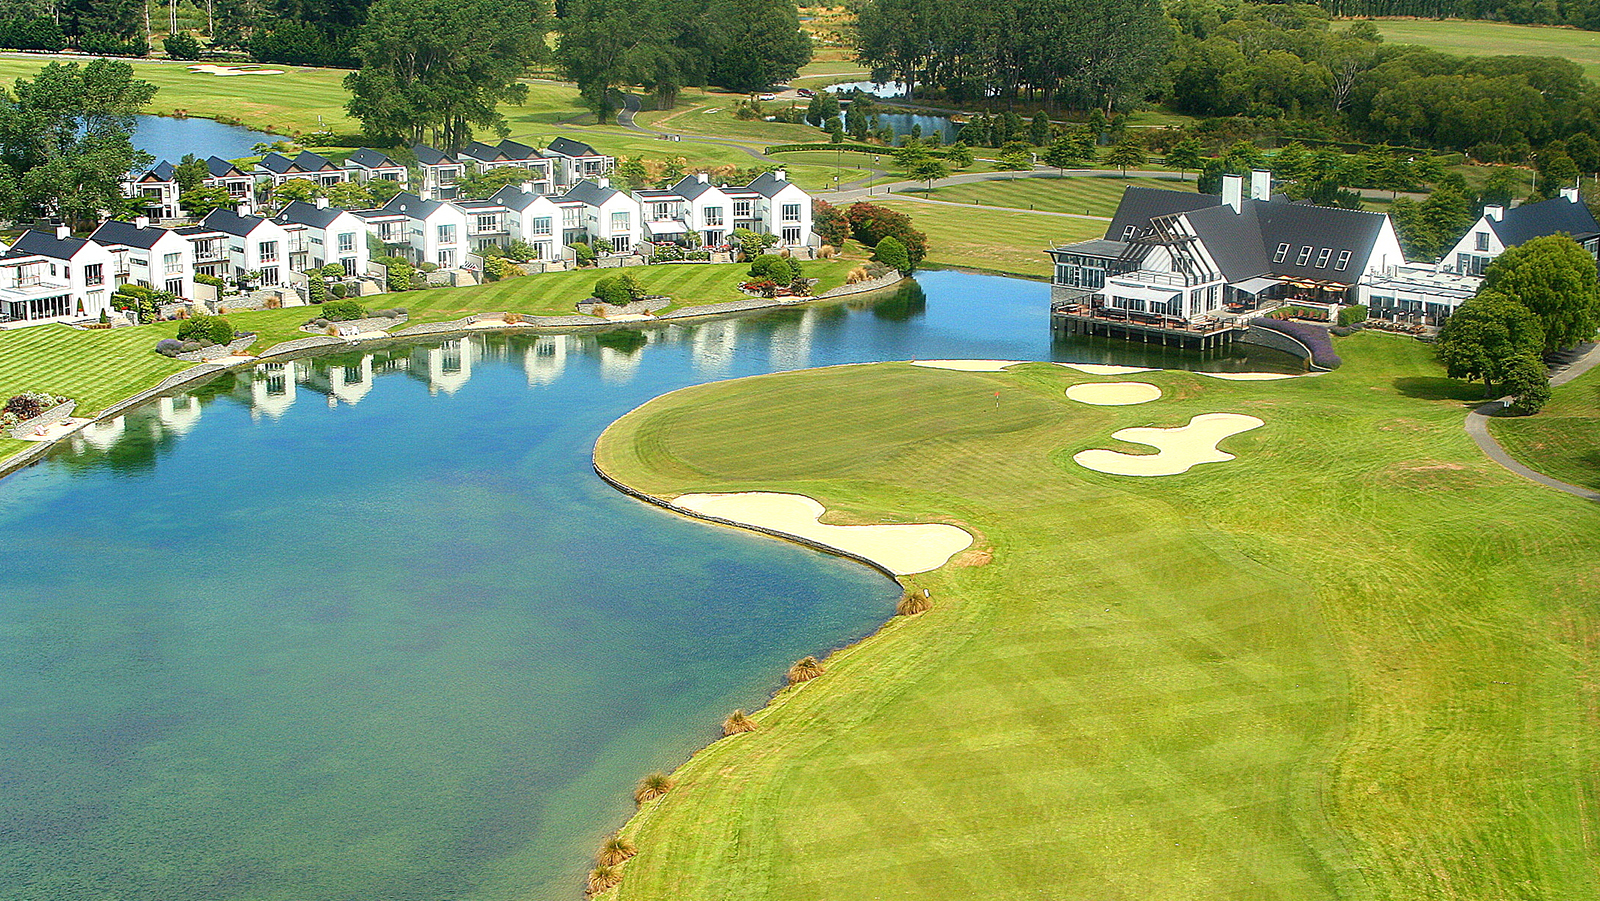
(806, 92)
(769, 96)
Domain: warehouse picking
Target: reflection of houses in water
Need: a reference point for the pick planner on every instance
(99, 434)
(178, 414)
(272, 389)
(618, 365)
(445, 367)
(712, 345)
(348, 380)
(546, 359)
(790, 344)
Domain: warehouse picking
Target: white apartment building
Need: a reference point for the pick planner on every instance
(228, 245)
(600, 212)
(143, 254)
(320, 234)
(54, 277)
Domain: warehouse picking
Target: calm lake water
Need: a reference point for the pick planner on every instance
(368, 627)
(168, 138)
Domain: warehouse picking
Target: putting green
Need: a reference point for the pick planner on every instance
(1358, 662)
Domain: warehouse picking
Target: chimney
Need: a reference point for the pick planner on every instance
(605, 182)
(781, 175)
(527, 187)
(1571, 194)
(322, 203)
(1494, 211)
(242, 209)
(63, 232)
(703, 177)
(141, 222)
(1260, 184)
(1233, 191)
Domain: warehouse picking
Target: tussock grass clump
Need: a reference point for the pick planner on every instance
(737, 722)
(652, 787)
(804, 670)
(602, 878)
(614, 850)
(913, 603)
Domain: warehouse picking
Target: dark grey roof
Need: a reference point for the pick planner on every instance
(114, 232)
(1095, 247)
(302, 213)
(411, 205)
(221, 168)
(1303, 225)
(690, 187)
(162, 171)
(768, 185)
(1557, 215)
(46, 244)
(304, 161)
(569, 147)
(514, 197)
(276, 163)
(368, 158)
(312, 162)
(1232, 239)
(428, 156)
(506, 150)
(190, 231)
(1140, 204)
(589, 192)
(231, 223)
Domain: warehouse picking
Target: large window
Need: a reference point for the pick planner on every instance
(791, 212)
(741, 209)
(347, 242)
(94, 274)
(791, 236)
(269, 252)
(541, 225)
(172, 263)
(713, 215)
(269, 276)
(619, 221)
(447, 234)
(1481, 241)
(488, 222)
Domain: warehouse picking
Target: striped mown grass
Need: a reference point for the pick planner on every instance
(1563, 439)
(992, 240)
(1358, 661)
(1087, 195)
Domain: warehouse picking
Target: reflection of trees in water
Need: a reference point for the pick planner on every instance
(623, 340)
(908, 302)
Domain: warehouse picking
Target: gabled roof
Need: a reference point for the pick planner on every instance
(514, 197)
(1304, 225)
(232, 223)
(1232, 239)
(769, 185)
(304, 161)
(690, 186)
(411, 205)
(428, 156)
(569, 147)
(46, 244)
(312, 162)
(302, 213)
(588, 192)
(221, 168)
(114, 232)
(1140, 204)
(162, 171)
(367, 158)
(1547, 217)
(505, 150)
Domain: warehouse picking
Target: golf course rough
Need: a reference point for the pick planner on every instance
(1358, 663)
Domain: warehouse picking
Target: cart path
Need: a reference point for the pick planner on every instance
(1477, 426)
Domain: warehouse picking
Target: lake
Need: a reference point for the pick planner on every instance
(169, 138)
(367, 626)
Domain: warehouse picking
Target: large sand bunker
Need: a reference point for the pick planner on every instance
(1179, 449)
(210, 69)
(1114, 394)
(901, 549)
(1105, 368)
(967, 365)
(1251, 376)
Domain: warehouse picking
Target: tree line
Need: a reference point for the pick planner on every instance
(1577, 13)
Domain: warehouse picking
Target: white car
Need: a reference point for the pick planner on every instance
(769, 96)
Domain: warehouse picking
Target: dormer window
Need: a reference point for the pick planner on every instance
(1323, 256)
(1128, 232)
(1481, 240)
(1282, 254)
(1344, 260)
(1305, 256)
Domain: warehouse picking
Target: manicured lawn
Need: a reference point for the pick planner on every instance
(1496, 39)
(1358, 661)
(1083, 195)
(992, 240)
(1563, 439)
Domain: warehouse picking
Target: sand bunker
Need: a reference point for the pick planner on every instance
(1251, 376)
(1105, 368)
(209, 69)
(901, 549)
(1114, 394)
(967, 365)
(1180, 448)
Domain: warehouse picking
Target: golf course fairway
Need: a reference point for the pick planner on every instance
(1358, 660)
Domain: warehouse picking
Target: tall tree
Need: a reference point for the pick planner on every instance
(1485, 335)
(436, 69)
(1555, 278)
(598, 43)
(754, 44)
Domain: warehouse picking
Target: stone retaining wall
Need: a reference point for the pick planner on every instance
(883, 281)
(48, 418)
(369, 324)
(636, 308)
(1276, 340)
(217, 351)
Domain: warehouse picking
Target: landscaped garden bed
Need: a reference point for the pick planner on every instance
(28, 412)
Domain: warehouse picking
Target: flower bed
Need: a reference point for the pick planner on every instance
(30, 410)
(1314, 337)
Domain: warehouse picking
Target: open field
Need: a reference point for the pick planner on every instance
(1497, 39)
(992, 240)
(1084, 195)
(1260, 679)
(1563, 439)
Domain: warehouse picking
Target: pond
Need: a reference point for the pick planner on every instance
(368, 626)
(901, 123)
(169, 138)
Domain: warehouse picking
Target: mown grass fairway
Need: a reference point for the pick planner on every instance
(1496, 39)
(992, 240)
(1359, 661)
(1080, 195)
(1563, 439)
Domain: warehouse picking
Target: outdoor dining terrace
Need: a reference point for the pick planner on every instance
(1068, 317)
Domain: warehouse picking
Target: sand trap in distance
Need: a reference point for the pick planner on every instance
(967, 365)
(901, 549)
(1106, 368)
(1251, 376)
(1114, 394)
(209, 69)
(1180, 448)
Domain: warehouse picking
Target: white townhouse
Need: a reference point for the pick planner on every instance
(159, 189)
(1174, 257)
(487, 157)
(707, 210)
(143, 254)
(661, 215)
(277, 168)
(320, 234)
(575, 161)
(532, 218)
(780, 208)
(425, 231)
(441, 173)
(367, 165)
(1499, 228)
(239, 184)
(228, 245)
(601, 213)
(486, 222)
(54, 277)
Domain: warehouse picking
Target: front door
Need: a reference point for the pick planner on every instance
(175, 286)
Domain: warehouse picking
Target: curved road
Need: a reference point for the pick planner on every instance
(1477, 426)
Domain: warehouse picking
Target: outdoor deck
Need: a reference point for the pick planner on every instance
(1068, 318)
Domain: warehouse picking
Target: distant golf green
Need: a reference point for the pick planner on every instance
(1357, 661)
(1497, 39)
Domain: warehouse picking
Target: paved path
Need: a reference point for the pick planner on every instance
(1478, 427)
(631, 107)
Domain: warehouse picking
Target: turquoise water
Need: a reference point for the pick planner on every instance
(368, 627)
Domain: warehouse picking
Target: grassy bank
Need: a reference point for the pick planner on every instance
(1496, 39)
(992, 240)
(1080, 195)
(1563, 440)
(1260, 679)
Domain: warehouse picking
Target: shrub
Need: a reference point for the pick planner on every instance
(319, 324)
(610, 290)
(521, 250)
(1352, 315)
(429, 267)
(316, 290)
(29, 404)
(857, 275)
(738, 722)
(804, 670)
(343, 311)
(190, 347)
(221, 331)
(772, 266)
(338, 290)
(400, 272)
(212, 280)
(181, 46)
(584, 252)
(195, 328)
(1314, 337)
(652, 787)
(892, 253)
(913, 603)
(800, 287)
(1528, 382)
(614, 851)
(602, 878)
